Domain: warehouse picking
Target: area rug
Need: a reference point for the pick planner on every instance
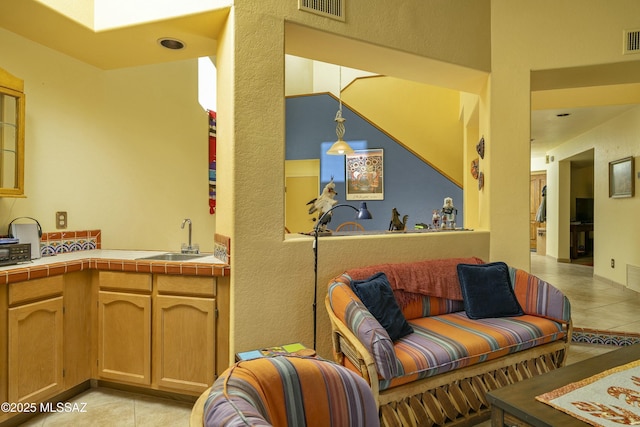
(610, 398)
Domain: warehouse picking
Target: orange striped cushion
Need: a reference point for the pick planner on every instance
(290, 391)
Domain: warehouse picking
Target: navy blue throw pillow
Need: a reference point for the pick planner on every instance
(487, 292)
(376, 294)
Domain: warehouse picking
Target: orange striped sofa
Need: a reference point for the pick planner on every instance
(289, 391)
(439, 373)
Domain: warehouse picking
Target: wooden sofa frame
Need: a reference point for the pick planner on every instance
(454, 398)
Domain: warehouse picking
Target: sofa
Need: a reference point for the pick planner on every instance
(432, 337)
(287, 391)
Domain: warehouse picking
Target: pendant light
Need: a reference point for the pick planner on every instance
(340, 147)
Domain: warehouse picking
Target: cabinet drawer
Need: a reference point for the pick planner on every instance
(36, 289)
(186, 285)
(124, 281)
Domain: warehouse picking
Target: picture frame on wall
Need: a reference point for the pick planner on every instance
(621, 179)
(364, 175)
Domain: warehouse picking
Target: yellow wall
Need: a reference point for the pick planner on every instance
(469, 110)
(423, 118)
(124, 151)
(530, 36)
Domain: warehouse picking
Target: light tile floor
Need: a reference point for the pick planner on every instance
(594, 304)
(106, 407)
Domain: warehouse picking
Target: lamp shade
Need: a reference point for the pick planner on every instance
(363, 212)
(340, 147)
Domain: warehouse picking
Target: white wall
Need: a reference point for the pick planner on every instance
(124, 151)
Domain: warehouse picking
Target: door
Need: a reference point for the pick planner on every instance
(302, 184)
(538, 181)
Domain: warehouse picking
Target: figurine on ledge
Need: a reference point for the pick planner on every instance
(448, 214)
(435, 218)
(396, 224)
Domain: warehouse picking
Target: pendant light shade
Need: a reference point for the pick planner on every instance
(340, 147)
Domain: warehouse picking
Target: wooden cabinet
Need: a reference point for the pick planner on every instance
(158, 331)
(170, 347)
(184, 342)
(184, 334)
(124, 327)
(35, 340)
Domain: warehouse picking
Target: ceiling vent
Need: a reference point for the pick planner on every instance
(631, 41)
(329, 8)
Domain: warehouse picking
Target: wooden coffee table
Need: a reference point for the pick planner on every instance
(515, 405)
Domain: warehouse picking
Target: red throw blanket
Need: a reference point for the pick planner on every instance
(434, 277)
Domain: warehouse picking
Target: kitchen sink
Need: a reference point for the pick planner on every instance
(174, 256)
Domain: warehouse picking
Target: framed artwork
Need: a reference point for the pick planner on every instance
(365, 177)
(621, 181)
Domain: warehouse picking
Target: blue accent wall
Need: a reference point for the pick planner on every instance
(410, 184)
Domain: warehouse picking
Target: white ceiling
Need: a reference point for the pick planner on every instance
(548, 130)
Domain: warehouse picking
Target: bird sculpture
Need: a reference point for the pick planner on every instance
(396, 224)
(323, 204)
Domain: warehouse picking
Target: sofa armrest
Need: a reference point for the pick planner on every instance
(347, 345)
(539, 298)
(348, 313)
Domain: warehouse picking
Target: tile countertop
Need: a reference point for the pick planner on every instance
(112, 260)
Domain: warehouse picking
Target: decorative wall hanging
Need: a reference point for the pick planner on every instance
(475, 165)
(480, 147)
(621, 180)
(212, 161)
(480, 180)
(364, 170)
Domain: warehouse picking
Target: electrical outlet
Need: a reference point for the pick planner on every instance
(613, 263)
(61, 220)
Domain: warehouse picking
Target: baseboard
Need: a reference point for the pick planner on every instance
(185, 398)
(609, 281)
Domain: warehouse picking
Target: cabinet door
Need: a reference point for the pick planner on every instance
(35, 350)
(184, 343)
(124, 337)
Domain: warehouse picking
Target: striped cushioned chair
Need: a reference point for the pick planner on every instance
(290, 391)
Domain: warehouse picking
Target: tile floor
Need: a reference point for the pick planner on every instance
(106, 407)
(595, 304)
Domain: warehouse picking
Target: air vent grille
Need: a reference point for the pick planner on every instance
(632, 41)
(633, 277)
(330, 8)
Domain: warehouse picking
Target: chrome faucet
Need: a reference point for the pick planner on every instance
(189, 249)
